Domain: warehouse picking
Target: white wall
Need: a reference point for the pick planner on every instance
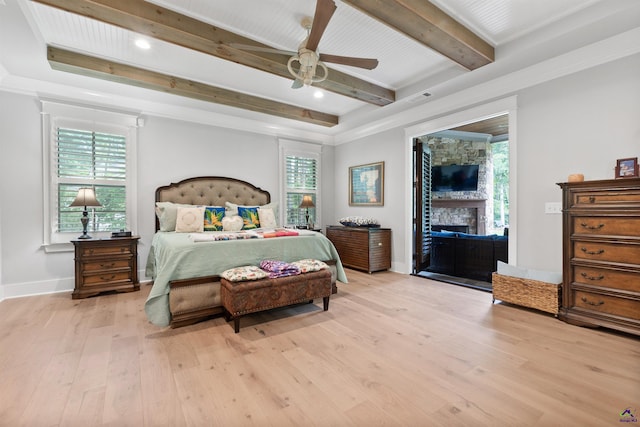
(580, 123)
(576, 124)
(168, 151)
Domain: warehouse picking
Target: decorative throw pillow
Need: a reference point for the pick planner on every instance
(213, 218)
(232, 208)
(249, 217)
(267, 218)
(190, 220)
(167, 213)
(249, 272)
(308, 265)
(232, 223)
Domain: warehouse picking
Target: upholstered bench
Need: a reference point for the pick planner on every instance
(251, 296)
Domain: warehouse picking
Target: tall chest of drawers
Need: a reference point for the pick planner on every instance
(362, 248)
(106, 265)
(601, 254)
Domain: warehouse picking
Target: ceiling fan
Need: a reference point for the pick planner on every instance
(304, 65)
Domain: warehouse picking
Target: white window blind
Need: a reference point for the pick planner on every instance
(302, 179)
(300, 176)
(91, 159)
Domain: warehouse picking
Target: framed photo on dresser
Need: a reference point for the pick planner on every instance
(627, 168)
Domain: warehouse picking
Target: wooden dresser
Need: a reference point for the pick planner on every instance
(601, 254)
(106, 265)
(362, 248)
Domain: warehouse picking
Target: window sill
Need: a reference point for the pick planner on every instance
(57, 247)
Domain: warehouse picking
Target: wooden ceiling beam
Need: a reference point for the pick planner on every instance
(163, 24)
(429, 25)
(64, 60)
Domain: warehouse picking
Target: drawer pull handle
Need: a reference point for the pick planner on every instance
(380, 244)
(105, 278)
(592, 199)
(586, 276)
(110, 265)
(586, 301)
(592, 227)
(588, 252)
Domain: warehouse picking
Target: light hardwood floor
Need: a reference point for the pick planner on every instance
(392, 350)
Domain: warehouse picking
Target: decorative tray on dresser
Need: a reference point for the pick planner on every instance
(601, 254)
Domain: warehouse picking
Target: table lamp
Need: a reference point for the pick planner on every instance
(86, 197)
(307, 202)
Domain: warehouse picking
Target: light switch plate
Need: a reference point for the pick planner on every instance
(553, 208)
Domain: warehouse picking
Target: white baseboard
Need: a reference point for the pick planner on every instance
(26, 289)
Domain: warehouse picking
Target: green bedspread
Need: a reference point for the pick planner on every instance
(176, 256)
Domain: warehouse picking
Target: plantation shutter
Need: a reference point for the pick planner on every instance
(91, 159)
(301, 178)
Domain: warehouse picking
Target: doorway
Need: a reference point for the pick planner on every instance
(461, 201)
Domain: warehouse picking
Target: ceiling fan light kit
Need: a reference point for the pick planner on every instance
(308, 59)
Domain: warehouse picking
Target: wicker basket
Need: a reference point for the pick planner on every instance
(535, 294)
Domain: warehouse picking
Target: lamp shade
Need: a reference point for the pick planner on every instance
(307, 202)
(85, 197)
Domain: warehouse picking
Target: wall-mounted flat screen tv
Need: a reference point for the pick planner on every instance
(454, 178)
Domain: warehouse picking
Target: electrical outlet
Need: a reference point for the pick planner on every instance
(553, 208)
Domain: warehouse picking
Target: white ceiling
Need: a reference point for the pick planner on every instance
(406, 66)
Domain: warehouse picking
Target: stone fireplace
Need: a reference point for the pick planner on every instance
(463, 208)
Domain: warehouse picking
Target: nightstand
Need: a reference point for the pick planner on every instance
(106, 265)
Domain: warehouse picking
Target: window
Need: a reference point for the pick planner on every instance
(300, 176)
(87, 148)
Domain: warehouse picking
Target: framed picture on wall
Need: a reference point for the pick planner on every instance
(366, 185)
(627, 168)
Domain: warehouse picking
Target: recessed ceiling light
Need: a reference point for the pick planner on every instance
(143, 44)
(318, 94)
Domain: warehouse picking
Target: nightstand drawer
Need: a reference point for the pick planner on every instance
(107, 250)
(107, 264)
(107, 277)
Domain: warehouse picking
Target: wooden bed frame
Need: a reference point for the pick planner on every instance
(193, 300)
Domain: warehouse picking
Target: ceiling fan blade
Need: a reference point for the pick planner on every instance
(324, 12)
(366, 63)
(297, 84)
(260, 49)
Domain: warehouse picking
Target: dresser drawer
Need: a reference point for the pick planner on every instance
(602, 277)
(107, 277)
(610, 252)
(106, 264)
(623, 307)
(594, 225)
(606, 197)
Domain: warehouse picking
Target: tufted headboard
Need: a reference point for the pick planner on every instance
(212, 191)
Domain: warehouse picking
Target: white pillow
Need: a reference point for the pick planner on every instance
(267, 218)
(167, 213)
(232, 223)
(232, 208)
(190, 220)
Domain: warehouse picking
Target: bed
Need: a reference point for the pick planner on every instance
(186, 272)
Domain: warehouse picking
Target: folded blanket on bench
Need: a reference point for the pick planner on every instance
(279, 268)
